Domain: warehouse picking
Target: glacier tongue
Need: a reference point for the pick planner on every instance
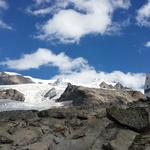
(34, 96)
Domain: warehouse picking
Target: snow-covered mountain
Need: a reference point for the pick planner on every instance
(34, 93)
(39, 94)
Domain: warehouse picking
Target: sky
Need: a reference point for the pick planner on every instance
(83, 40)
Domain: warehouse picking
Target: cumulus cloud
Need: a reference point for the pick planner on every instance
(143, 15)
(73, 19)
(3, 25)
(77, 70)
(92, 78)
(42, 57)
(147, 44)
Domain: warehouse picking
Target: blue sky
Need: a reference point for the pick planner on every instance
(111, 37)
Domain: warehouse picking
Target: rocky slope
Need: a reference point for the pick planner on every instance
(8, 79)
(97, 119)
(93, 96)
(77, 128)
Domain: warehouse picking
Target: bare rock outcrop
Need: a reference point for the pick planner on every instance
(6, 79)
(91, 96)
(11, 94)
(105, 86)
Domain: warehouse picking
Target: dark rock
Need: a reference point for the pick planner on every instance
(136, 118)
(51, 93)
(12, 95)
(141, 142)
(5, 140)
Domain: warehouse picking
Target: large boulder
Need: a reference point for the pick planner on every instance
(11, 94)
(136, 118)
(80, 95)
(7, 79)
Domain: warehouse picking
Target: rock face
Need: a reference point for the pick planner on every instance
(91, 97)
(105, 86)
(12, 95)
(6, 79)
(51, 93)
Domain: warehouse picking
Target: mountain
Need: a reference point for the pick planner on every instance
(11, 79)
(57, 115)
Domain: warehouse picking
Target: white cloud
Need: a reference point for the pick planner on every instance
(77, 70)
(143, 15)
(39, 2)
(93, 78)
(3, 4)
(70, 24)
(46, 57)
(147, 44)
(3, 25)
(44, 7)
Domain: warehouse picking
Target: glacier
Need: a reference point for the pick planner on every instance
(34, 95)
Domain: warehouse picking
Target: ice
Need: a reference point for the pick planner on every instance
(34, 96)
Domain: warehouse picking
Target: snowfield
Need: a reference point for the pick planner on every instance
(34, 96)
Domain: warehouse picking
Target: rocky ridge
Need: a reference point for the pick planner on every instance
(7, 79)
(80, 95)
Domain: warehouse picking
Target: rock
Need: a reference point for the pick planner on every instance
(79, 134)
(77, 128)
(7, 79)
(5, 140)
(123, 140)
(106, 86)
(119, 86)
(26, 136)
(136, 94)
(141, 142)
(12, 95)
(51, 93)
(83, 96)
(136, 118)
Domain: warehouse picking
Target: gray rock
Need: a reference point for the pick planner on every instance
(119, 86)
(105, 86)
(6, 79)
(51, 93)
(12, 95)
(136, 118)
(92, 97)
